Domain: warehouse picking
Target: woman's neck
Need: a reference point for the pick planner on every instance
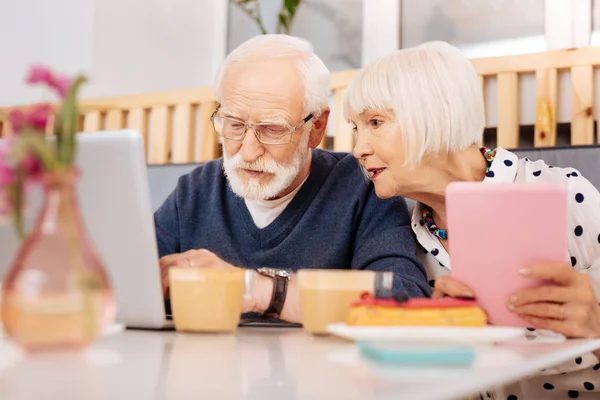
(468, 165)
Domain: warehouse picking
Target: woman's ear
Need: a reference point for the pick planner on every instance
(319, 129)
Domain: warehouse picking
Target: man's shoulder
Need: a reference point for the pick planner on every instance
(207, 175)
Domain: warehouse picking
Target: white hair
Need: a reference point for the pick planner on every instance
(434, 93)
(315, 74)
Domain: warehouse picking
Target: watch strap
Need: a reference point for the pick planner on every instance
(280, 285)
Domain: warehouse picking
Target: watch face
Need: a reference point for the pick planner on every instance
(283, 273)
(272, 272)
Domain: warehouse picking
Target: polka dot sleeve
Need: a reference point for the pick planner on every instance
(584, 225)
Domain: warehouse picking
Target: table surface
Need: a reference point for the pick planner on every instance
(256, 363)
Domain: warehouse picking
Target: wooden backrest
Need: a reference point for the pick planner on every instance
(176, 124)
(580, 63)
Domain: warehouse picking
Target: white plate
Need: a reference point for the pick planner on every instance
(418, 334)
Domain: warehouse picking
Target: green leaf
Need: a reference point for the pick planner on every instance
(283, 21)
(291, 6)
(18, 200)
(65, 125)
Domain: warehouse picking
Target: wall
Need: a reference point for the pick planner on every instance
(125, 46)
(57, 32)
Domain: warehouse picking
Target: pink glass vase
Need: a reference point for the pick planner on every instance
(57, 293)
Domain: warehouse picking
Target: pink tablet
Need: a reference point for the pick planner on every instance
(495, 229)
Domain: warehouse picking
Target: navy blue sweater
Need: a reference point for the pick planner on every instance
(334, 221)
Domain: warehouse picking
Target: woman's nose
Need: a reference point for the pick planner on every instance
(362, 148)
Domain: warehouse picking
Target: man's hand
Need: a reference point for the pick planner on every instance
(262, 286)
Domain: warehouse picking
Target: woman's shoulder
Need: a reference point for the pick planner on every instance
(530, 170)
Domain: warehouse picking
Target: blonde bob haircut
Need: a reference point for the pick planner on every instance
(434, 93)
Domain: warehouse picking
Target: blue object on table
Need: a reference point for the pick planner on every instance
(406, 354)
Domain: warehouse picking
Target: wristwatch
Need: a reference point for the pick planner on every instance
(280, 283)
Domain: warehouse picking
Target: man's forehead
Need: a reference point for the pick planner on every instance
(257, 114)
(263, 91)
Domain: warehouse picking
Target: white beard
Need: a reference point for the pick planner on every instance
(282, 175)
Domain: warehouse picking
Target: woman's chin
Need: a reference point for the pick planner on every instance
(383, 192)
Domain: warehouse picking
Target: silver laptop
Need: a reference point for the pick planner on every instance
(115, 203)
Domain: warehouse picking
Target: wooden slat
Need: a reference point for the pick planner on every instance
(582, 120)
(50, 125)
(2, 124)
(555, 59)
(340, 79)
(6, 129)
(91, 122)
(115, 119)
(149, 100)
(508, 110)
(323, 142)
(209, 141)
(546, 103)
(344, 139)
(161, 117)
(138, 119)
(185, 133)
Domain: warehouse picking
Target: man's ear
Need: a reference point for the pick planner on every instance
(319, 129)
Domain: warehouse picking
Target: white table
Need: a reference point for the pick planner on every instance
(256, 363)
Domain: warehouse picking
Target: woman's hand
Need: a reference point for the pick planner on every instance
(446, 286)
(567, 305)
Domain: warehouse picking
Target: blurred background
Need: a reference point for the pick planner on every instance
(131, 47)
(139, 46)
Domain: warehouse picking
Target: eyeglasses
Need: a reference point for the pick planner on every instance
(266, 133)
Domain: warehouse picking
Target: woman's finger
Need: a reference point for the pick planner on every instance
(449, 286)
(541, 310)
(540, 294)
(555, 325)
(560, 273)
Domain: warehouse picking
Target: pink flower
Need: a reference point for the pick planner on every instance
(32, 167)
(17, 119)
(7, 175)
(37, 117)
(62, 84)
(40, 74)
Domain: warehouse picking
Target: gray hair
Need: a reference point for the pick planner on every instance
(435, 95)
(315, 74)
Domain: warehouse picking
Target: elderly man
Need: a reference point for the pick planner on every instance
(274, 202)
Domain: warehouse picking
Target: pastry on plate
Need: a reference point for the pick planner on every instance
(398, 310)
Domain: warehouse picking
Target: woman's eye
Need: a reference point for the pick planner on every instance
(375, 123)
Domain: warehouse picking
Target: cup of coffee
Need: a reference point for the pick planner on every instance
(326, 295)
(208, 300)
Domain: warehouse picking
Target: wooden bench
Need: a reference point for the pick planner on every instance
(176, 124)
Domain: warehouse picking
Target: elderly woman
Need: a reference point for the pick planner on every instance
(418, 115)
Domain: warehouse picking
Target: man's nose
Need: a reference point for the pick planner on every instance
(252, 149)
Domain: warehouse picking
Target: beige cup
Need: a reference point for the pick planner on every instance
(326, 296)
(208, 300)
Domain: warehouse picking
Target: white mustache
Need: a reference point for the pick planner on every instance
(262, 164)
